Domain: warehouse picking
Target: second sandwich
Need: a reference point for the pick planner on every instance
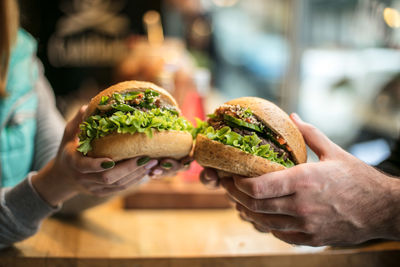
(249, 136)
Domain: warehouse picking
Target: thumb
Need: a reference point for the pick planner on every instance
(315, 139)
(72, 127)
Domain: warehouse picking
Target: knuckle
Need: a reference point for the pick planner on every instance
(301, 171)
(256, 190)
(302, 210)
(305, 182)
(308, 227)
(131, 168)
(119, 183)
(311, 128)
(105, 178)
(79, 165)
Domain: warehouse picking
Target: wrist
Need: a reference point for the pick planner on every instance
(393, 231)
(51, 187)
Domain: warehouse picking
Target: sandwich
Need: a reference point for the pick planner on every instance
(248, 136)
(134, 118)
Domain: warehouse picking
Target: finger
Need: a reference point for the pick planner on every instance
(72, 127)
(210, 174)
(136, 176)
(205, 179)
(224, 174)
(273, 206)
(127, 167)
(170, 164)
(296, 238)
(111, 190)
(258, 227)
(156, 173)
(84, 164)
(243, 216)
(315, 139)
(93, 185)
(186, 161)
(270, 185)
(272, 221)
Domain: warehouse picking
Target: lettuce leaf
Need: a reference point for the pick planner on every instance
(248, 143)
(131, 122)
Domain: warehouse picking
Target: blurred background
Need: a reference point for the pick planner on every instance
(335, 62)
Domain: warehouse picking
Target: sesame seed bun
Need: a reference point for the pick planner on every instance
(169, 143)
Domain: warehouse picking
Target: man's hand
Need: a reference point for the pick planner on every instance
(337, 201)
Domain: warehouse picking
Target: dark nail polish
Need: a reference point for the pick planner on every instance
(107, 164)
(143, 161)
(166, 165)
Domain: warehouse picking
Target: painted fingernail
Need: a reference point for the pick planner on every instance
(157, 172)
(143, 161)
(107, 164)
(166, 165)
(151, 164)
(296, 117)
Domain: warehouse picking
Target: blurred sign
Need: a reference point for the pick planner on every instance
(91, 33)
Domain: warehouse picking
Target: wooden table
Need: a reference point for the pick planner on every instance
(111, 236)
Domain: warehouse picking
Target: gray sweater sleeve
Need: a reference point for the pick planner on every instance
(21, 212)
(50, 124)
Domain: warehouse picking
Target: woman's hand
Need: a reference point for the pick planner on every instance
(70, 172)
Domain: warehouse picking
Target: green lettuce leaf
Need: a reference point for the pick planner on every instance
(248, 143)
(131, 122)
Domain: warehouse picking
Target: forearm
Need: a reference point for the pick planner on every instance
(82, 202)
(21, 212)
(51, 187)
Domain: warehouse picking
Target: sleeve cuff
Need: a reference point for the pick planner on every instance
(27, 207)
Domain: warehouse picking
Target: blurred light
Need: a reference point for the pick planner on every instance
(201, 28)
(391, 17)
(152, 22)
(151, 17)
(371, 152)
(225, 3)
